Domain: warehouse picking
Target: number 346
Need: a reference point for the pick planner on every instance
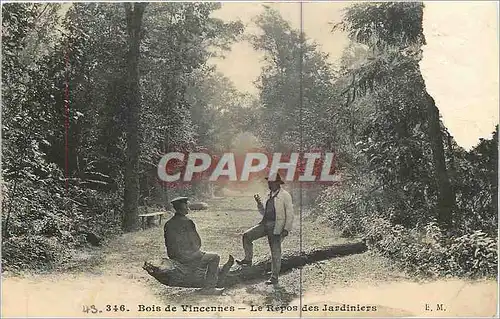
(116, 308)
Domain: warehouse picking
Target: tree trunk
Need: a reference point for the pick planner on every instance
(170, 274)
(5, 232)
(134, 13)
(446, 195)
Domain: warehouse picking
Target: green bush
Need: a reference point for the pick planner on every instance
(399, 220)
(427, 252)
(349, 209)
(473, 254)
(45, 222)
(31, 252)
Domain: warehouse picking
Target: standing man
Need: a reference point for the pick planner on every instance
(276, 223)
(183, 244)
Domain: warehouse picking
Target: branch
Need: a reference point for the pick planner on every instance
(377, 71)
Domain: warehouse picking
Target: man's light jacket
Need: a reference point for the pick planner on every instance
(284, 212)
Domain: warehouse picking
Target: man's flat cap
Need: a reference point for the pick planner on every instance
(179, 199)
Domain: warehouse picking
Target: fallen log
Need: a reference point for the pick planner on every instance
(172, 274)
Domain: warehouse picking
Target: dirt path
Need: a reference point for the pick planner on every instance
(113, 276)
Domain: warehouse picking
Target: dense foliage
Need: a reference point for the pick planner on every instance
(65, 115)
(412, 192)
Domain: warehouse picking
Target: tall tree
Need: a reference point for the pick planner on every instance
(296, 92)
(28, 77)
(134, 13)
(394, 34)
(219, 111)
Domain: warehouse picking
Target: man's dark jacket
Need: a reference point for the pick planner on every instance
(181, 239)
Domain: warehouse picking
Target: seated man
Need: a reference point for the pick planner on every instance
(183, 244)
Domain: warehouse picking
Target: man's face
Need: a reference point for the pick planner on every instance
(182, 208)
(273, 185)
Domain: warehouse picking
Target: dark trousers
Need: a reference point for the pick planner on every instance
(210, 262)
(265, 228)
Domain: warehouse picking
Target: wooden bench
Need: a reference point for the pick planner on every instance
(144, 217)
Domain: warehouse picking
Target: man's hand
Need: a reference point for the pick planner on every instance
(257, 199)
(260, 206)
